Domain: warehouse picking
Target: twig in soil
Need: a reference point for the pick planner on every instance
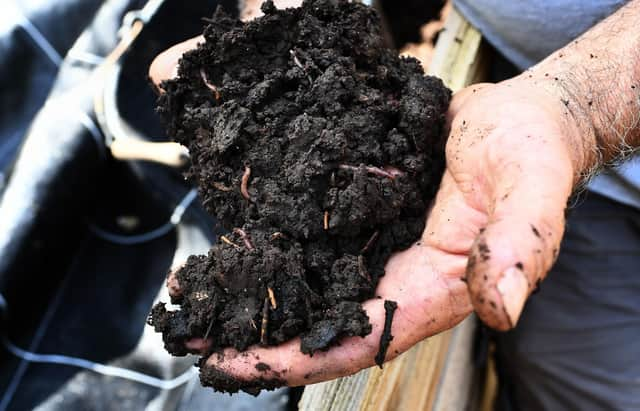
(244, 183)
(220, 186)
(253, 324)
(362, 268)
(226, 240)
(297, 62)
(326, 220)
(380, 172)
(265, 321)
(209, 328)
(245, 238)
(369, 244)
(272, 298)
(210, 86)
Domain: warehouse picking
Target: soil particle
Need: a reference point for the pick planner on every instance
(483, 250)
(262, 367)
(311, 117)
(221, 381)
(535, 231)
(386, 337)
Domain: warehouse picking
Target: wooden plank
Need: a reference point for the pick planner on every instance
(436, 373)
(459, 58)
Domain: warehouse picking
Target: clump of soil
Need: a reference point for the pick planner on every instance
(319, 151)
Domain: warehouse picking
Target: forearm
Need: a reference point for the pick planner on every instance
(597, 78)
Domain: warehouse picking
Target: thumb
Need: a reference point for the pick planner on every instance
(521, 241)
(165, 65)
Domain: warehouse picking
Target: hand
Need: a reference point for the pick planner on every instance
(496, 225)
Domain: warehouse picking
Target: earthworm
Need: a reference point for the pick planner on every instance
(220, 186)
(210, 86)
(326, 220)
(245, 238)
(245, 183)
(391, 173)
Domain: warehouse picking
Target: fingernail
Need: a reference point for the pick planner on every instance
(513, 287)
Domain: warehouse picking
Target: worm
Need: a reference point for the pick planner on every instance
(244, 190)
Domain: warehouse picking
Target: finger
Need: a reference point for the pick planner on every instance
(431, 304)
(173, 286)
(453, 223)
(165, 65)
(172, 283)
(526, 223)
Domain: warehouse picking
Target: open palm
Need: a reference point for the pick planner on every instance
(491, 235)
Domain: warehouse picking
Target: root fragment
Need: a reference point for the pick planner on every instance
(265, 321)
(210, 86)
(326, 220)
(370, 242)
(272, 298)
(244, 183)
(278, 235)
(362, 268)
(297, 62)
(206, 334)
(226, 240)
(380, 172)
(245, 238)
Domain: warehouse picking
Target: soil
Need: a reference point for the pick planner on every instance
(390, 308)
(319, 150)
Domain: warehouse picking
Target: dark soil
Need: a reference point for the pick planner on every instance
(319, 151)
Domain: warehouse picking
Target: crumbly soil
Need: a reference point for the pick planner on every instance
(319, 150)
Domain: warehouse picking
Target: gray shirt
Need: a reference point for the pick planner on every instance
(526, 31)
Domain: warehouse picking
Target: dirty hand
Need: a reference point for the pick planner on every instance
(491, 182)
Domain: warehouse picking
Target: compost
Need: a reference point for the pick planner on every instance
(318, 150)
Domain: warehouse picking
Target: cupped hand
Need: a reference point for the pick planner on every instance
(492, 233)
